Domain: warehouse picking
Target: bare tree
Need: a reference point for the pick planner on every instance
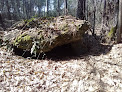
(8, 9)
(81, 9)
(65, 7)
(94, 17)
(119, 32)
(47, 7)
(58, 8)
(104, 14)
(1, 22)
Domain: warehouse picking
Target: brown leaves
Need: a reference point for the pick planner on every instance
(93, 74)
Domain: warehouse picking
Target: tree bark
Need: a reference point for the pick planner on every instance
(2, 5)
(18, 6)
(119, 31)
(58, 8)
(47, 7)
(65, 7)
(94, 17)
(8, 10)
(24, 9)
(104, 14)
(39, 8)
(1, 22)
(81, 9)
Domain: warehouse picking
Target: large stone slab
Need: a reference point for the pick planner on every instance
(44, 34)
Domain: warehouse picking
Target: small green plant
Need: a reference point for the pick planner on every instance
(35, 47)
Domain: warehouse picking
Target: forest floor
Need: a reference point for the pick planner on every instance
(99, 71)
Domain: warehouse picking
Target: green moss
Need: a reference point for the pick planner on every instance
(29, 20)
(47, 18)
(112, 32)
(23, 40)
(64, 28)
(26, 38)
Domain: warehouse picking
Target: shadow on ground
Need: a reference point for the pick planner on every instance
(65, 52)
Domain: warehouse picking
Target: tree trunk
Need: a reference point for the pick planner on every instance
(94, 17)
(2, 5)
(65, 7)
(8, 10)
(104, 14)
(103, 22)
(81, 9)
(47, 7)
(18, 6)
(15, 13)
(58, 8)
(39, 9)
(24, 10)
(1, 22)
(119, 31)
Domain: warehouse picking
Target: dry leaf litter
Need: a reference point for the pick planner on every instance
(101, 73)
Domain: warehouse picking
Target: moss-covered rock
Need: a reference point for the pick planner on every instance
(112, 32)
(48, 33)
(25, 40)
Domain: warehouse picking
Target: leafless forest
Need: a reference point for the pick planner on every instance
(60, 45)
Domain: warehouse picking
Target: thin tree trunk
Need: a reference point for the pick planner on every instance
(58, 8)
(27, 9)
(119, 31)
(24, 10)
(81, 9)
(103, 24)
(39, 9)
(1, 22)
(8, 10)
(65, 7)
(86, 9)
(15, 15)
(47, 7)
(94, 17)
(18, 6)
(2, 5)
(104, 14)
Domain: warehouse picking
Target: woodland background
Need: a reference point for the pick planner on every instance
(102, 14)
(96, 11)
(99, 70)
